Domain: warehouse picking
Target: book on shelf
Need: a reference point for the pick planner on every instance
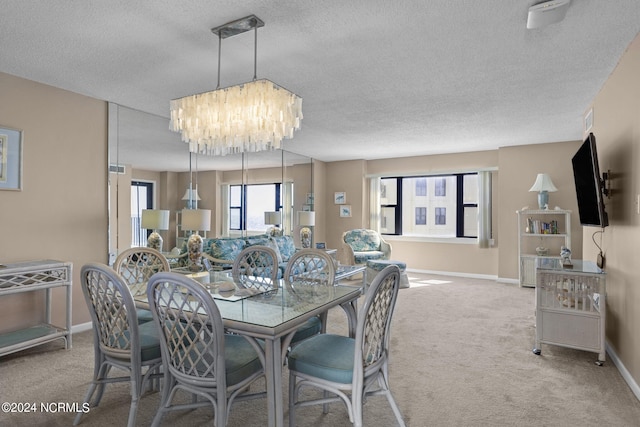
(536, 226)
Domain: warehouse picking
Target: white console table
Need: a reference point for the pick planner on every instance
(33, 276)
(570, 306)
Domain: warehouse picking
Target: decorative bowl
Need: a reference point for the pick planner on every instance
(542, 251)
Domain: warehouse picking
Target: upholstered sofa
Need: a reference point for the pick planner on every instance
(361, 245)
(222, 251)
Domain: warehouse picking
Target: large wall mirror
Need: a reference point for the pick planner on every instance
(151, 167)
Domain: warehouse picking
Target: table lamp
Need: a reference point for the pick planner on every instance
(155, 219)
(543, 186)
(195, 220)
(306, 219)
(273, 219)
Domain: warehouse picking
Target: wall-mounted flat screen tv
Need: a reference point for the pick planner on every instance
(589, 185)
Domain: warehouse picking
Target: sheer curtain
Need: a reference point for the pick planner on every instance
(225, 209)
(374, 203)
(484, 208)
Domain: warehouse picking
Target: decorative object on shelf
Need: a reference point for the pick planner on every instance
(10, 159)
(345, 211)
(339, 198)
(542, 251)
(306, 220)
(543, 186)
(273, 219)
(253, 116)
(195, 220)
(565, 257)
(155, 219)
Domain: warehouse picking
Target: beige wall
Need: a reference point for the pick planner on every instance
(616, 125)
(518, 168)
(61, 212)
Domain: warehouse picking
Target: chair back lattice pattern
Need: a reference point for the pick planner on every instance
(137, 265)
(256, 267)
(374, 320)
(112, 310)
(310, 267)
(192, 333)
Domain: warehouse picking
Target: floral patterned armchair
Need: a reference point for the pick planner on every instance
(361, 245)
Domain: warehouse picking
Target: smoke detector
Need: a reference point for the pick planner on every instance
(546, 13)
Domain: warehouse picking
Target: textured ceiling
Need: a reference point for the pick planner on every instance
(379, 78)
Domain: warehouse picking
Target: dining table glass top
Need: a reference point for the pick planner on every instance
(271, 308)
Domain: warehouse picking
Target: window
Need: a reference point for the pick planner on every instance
(141, 198)
(421, 216)
(441, 187)
(421, 187)
(248, 203)
(441, 216)
(422, 206)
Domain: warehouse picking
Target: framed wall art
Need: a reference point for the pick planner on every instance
(10, 159)
(345, 211)
(339, 198)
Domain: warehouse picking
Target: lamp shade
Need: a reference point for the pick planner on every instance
(196, 219)
(191, 194)
(306, 218)
(273, 218)
(155, 219)
(543, 183)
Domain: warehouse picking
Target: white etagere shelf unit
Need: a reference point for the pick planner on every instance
(550, 229)
(32, 276)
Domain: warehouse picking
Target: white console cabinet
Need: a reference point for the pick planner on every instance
(571, 306)
(32, 276)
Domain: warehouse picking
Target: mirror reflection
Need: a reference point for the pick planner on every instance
(152, 169)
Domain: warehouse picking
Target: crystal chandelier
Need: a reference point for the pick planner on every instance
(253, 116)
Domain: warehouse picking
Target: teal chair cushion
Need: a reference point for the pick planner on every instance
(226, 248)
(144, 316)
(149, 341)
(363, 257)
(286, 246)
(325, 356)
(241, 359)
(310, 328)
(362, 240)
(381, 264)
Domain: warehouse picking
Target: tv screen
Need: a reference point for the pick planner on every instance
(586, 174)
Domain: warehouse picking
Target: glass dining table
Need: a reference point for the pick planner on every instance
(273, 316)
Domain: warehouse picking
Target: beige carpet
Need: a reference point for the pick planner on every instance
(461, 356)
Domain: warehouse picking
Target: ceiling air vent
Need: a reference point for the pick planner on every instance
(116, 169)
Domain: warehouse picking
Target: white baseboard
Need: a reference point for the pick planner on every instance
(626, 375)
(449, 273)
(509, 281)
(82, 327)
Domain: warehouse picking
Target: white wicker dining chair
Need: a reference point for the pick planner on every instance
(309, 267)
(347, 369)
(256, 267)
(119, 341)
(136, 266)
(198, 356)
